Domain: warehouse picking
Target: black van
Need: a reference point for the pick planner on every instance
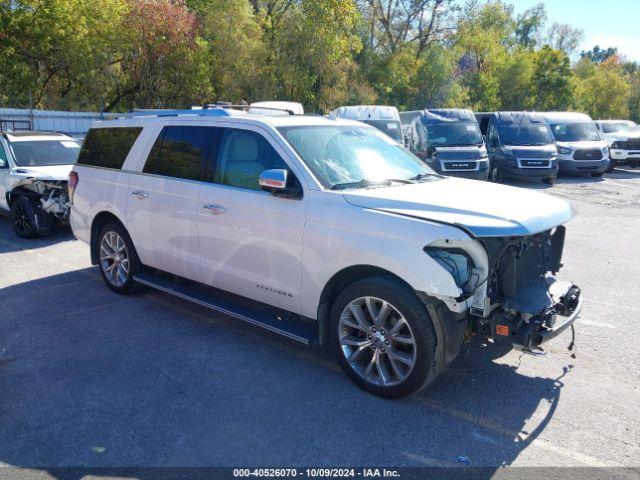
(520, 145)
(449, 141)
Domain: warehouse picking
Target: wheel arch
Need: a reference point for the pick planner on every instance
(99, 221)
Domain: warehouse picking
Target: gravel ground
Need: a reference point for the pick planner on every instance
(90, 378)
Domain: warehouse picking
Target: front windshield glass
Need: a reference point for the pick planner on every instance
(614, 127)
(575, 132)
(453, 134)
(42, 153)
(390, 127)
(341, 155)
(525, 134)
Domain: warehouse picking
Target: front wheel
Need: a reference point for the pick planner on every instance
(549, 181)
(383, 337)
(118, 260)
(597, 174)
(23, 218)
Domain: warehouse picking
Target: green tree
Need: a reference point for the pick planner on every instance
(605, 92)
(529, 25)
(551, 85)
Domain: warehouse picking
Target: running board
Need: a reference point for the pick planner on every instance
(273, 319)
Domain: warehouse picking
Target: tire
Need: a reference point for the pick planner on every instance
(116, 248)
(364, 347)
(494, 173)
(612, 166)
(23, 218)
(549, 181)
(597, 174)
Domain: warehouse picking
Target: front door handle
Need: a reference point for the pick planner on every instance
(139, 194)
(215, 209)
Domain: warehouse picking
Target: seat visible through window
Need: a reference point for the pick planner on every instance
(244, 155)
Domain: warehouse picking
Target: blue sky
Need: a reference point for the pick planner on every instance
(612, 23)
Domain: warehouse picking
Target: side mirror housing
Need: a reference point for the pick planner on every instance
(275, 182)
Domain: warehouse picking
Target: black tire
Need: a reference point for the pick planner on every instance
(117, 283)
(597, 174)
(23, 218)
(612, 166)
(494, 173)
(549, 181)
(406, 303)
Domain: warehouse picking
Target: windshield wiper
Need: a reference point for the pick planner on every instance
(365, 182)
(422, 176)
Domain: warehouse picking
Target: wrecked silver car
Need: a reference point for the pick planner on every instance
(34, 171)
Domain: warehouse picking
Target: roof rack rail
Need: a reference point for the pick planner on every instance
(211, 109)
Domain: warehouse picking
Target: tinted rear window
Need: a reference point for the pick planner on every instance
(108, 147)
(182, 152)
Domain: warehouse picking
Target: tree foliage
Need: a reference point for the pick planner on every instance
(119, 54)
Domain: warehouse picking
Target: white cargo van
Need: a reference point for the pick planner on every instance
(385, 118)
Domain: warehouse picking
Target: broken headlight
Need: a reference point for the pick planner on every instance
(455, 261)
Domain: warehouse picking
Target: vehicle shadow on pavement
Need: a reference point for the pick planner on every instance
(92, 379)
(10, 242)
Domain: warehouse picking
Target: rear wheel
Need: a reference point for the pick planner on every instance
(23, 218)
(383, 337)
(118, 260)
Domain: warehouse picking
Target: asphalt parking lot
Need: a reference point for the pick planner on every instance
(90, 378)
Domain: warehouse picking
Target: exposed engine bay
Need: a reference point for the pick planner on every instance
(48, 199)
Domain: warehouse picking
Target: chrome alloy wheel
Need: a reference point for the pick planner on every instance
(114, 258)
(377, 341)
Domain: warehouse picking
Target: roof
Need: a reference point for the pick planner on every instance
(441, 115)
(616, 121)
(566, 117)
(366, 112)
(36, 136)
(215, 115)
(509, 118)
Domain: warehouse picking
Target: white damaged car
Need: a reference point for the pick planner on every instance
(325, 231)
(34, 169)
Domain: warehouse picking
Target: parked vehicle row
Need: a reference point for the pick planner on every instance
(328, 232)
(500, 145)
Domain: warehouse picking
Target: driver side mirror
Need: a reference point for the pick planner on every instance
(275, 182)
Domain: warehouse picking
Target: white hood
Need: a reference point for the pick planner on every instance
(599, 144)
(51, 172)
(483, 209)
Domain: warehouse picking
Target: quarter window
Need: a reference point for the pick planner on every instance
(3, 158)
(243, 156)
(108, 147)
(182, 152)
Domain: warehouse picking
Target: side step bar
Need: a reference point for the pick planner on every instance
(273, 319)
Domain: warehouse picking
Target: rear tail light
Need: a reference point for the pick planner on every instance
(72, 183)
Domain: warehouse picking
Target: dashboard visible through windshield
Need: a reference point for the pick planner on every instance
(354, 156)
(525, 134)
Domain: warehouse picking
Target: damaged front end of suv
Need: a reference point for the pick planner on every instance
(527, 304)
(40, 205)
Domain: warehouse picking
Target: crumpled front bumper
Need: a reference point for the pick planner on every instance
(528, 331)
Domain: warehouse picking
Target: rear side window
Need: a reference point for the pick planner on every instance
(182, 152)
(108, 147)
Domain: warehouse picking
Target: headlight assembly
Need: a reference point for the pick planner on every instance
(564, 151)
(455, 261)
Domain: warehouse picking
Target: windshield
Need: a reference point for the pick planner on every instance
(42, 153)
(340, 155)
(525, 134)
(620, 127)
(390, 127)
(452, 134)
(575, 132)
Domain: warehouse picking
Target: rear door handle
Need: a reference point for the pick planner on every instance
(215, 209)
(139, 194)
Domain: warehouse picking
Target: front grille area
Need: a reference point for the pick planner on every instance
(633, 144)
(459, 165)
(588, 154)
(519, 262)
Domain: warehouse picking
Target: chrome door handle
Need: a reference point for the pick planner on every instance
(215, 209)
(140, 194)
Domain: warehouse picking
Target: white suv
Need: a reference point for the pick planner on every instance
(324, 231)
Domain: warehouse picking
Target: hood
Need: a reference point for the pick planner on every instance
(51, 172)
(481, 208)
(471, 152)
(599, 144)
(621, 136)
(534, 151)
